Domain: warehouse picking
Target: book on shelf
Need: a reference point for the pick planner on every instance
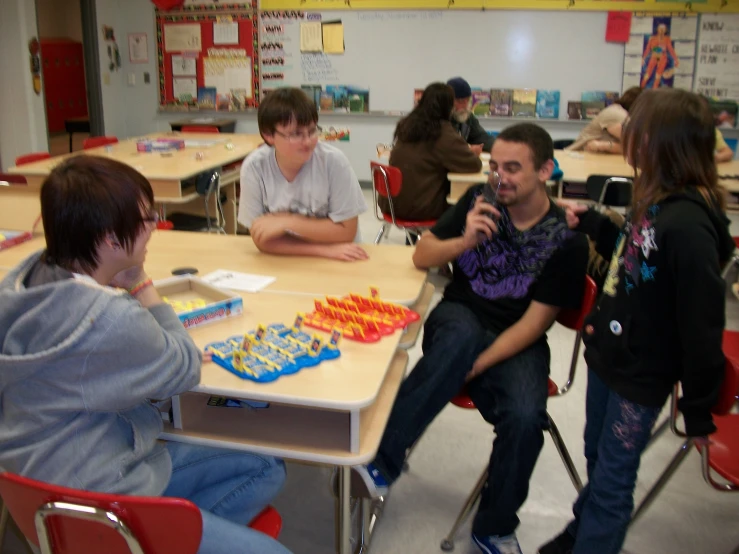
(574, 110)
(547, 104)
(524, 102)
(480, 102)
(501, 100)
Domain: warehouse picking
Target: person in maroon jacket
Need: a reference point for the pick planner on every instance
(427, 148)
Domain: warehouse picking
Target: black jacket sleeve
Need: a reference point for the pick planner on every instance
(601, 230)
(478, 135)
(700, 317)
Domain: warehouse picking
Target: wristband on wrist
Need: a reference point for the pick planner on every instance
(138, 287)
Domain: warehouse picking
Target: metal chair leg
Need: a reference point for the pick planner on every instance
(4, 517)
(564, 454)
(447, 545)
(671, 468)
(378, 238)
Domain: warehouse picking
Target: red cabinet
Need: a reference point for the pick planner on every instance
(63, 69)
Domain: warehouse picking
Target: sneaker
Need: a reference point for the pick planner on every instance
(561, 544)
(375, 482)
(498, 545)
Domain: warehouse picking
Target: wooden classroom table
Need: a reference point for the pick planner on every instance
(389, 267)
(165, 173)
(332, 414)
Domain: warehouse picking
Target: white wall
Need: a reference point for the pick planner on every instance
(22, 116)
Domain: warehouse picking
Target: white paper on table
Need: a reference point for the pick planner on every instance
(234, 280)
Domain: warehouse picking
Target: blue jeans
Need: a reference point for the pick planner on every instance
(616, 433)
(512, 396)
(230, 487)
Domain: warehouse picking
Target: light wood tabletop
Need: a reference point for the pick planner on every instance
(165, 172)
(389, 267)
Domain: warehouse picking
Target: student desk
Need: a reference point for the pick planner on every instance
(334, 413)
(165, 173)
(389, 267)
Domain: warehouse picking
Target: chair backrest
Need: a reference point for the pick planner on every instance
(199, 129)
(94, 142)
(575, 319)
(730, 386)
(8, 179)
(609, 191)
(562, 144)
(83, 522)
(386, 179)
(32, 157)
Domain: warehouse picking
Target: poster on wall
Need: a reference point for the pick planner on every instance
(660, 52)
(717, 67)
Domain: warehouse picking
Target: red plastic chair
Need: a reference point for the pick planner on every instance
(199, 129)
(32, 157)
(387, 182)
(572, 319)
(94, 142)
(721, 456)
(60, 520)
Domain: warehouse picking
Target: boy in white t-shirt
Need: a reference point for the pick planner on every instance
(299, 196)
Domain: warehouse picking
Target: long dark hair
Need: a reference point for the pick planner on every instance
(424, 122)
(670, 138)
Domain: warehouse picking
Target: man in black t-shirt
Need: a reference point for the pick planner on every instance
(515, 265)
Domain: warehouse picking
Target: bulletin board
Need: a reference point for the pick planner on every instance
(203, 47)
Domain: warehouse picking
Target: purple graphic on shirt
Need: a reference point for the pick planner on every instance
(509, 263)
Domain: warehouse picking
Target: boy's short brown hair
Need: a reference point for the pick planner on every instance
(86, 199)
(282, 106)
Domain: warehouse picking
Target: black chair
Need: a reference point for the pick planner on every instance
(562, 144)
(609, 191)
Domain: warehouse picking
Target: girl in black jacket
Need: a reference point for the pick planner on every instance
(660, 318)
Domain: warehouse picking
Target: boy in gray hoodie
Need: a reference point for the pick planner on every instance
(86, 343)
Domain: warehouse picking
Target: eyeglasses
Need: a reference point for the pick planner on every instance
(153, 217)
(295, 138)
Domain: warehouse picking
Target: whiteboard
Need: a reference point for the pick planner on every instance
(393, 52)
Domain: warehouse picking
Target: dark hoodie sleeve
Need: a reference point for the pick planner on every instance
(601, 230)
(692, 254)
(478, 135)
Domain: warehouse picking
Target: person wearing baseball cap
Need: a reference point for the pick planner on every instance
(464, 121)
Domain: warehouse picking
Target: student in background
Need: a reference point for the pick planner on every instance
(723, 152)
(515, 265)
(86, 342)
(464, 120)
(426, 148)
(299, 196)
(603, 134)
(660, 318)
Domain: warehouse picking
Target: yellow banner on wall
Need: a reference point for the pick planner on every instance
(718, 6)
